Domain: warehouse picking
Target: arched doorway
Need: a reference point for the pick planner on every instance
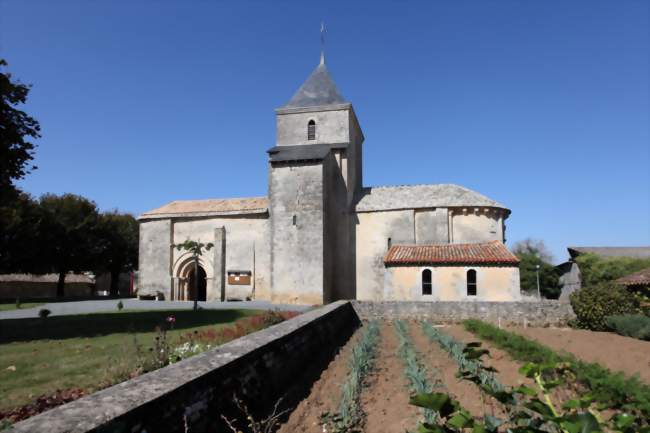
(202, 287)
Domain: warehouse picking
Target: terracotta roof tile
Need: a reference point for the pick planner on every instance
(641, 277)
(229, 206)
(493, 252)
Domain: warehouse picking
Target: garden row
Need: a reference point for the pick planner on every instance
(457, 390)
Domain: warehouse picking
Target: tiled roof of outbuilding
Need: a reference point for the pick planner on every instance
(489, 253)
(636, 252)
(639, 278)
(228, 206)
(380, 198)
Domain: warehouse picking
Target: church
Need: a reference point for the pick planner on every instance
(320, 235)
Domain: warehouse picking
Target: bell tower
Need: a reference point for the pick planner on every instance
(315, 174)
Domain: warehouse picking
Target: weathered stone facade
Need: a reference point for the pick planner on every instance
(320, 235)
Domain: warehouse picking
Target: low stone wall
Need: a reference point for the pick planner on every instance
(544, 313)
(281, 361)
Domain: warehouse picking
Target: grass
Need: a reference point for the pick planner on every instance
(84, 351)
(605, 386)
(8, 306)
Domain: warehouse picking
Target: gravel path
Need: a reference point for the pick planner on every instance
(85, 307)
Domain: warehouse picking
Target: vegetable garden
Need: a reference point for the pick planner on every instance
(415, 376)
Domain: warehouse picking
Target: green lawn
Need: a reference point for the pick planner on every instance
(85, 350)
(12, 305)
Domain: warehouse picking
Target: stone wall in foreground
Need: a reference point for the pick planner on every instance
(281, 361)
(534, 313)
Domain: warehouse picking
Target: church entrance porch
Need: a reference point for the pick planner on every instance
(201, 287)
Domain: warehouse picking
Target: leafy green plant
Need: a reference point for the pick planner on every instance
(526, 411)
(466, 356)
(593, 305)
(414, 371)
(349, 415)
(611, 390)
(630, 325)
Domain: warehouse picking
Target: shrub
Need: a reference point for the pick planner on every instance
(593, 305)
(43, 313)
(120, 305)
(630, 325)
(595, 269)
(18, 304)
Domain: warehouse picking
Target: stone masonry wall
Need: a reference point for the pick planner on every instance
(544, 313)
(281, 361)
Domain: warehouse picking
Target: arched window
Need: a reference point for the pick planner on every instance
(311, 130)
(471, 282)
(426, 282)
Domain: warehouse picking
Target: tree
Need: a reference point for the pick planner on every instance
(595, 269)
(533, 253)
(16, 127)
(118, 245)
(195, 249)
(19, 235)
(69, 235)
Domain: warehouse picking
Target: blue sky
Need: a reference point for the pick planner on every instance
(541, 105)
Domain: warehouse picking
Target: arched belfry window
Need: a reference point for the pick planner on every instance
(471, 282)
(311, 130)
(426, 282)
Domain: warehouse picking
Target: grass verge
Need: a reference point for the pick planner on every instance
(40, 356)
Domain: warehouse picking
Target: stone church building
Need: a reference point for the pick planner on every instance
(320, 235)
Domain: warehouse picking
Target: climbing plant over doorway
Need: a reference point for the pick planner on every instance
(196, 250)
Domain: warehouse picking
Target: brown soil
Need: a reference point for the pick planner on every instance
(507, 369)
(618, 353)
(386, 397)
(439, 362)
(325, 393)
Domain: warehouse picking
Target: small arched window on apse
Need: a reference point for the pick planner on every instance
(311, 130)
(426, 282)
(471, 282)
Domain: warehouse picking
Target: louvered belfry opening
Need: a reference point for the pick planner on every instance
(311, 130)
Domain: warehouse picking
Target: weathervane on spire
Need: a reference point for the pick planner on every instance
(322, 43)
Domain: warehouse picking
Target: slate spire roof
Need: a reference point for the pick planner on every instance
(318, 90)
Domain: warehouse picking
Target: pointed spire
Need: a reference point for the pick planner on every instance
(322, 43)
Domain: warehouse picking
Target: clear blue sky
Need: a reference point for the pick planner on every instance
(541, 105)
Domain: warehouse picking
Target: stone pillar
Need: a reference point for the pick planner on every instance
(220, 262)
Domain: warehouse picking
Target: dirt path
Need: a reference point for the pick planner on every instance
(324, 395)
(436, 359)
(385, 397)
(618, 353)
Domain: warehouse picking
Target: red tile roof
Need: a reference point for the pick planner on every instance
(489, 253)
(640, 278)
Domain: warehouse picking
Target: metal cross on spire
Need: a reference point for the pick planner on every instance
(322, 43)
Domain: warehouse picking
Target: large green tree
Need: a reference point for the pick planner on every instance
(118, 245)
(533, 253)
(595, 269)
(20, 222)
(69, 238)
(16, 131)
